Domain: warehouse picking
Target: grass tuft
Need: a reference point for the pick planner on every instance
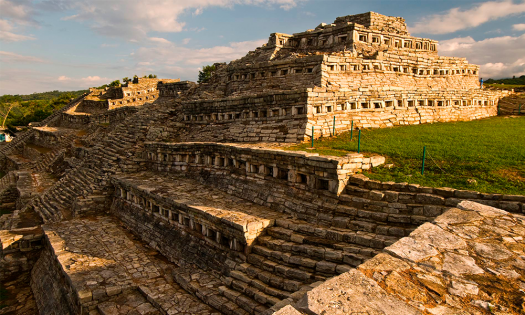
(485, 155)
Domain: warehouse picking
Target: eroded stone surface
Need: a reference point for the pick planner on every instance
(107, 269)
(468, 274)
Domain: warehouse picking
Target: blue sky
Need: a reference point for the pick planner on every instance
(74, 44)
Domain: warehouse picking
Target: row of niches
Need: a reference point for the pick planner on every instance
(396, 42)
(131, 100)
(349, 67)
(371, 38)
(387, 67)
(132, 92)
(270, 74)
(282, 173)
(292, 111)
(398, 104)
(180, 219)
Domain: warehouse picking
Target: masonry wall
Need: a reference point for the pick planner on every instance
(412, 200)
(51, 288)
(179, 244)
(257, 118)
(297, 183)
(92, 106)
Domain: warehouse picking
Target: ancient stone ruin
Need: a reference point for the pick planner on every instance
(171, 197)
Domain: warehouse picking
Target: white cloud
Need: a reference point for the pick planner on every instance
(519, 27)
(20, 11)
(63, 78)
(456, 19)
(15, 15)
(135, 19)
(177, 61)
(95, 79)
(8, 36)
(498, 57)
(186, 41)
(11, 57)
(159, 40)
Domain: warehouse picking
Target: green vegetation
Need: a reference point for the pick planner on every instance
(34, 107)
(505, 86)
(514, 81)
(485, 155)
(115, 83)
(205, 74)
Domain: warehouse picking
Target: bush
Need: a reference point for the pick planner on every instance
(205, 74)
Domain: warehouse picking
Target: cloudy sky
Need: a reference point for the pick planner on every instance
(73, 44)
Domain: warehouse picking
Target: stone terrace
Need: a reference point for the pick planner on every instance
(107, 271)
(217, 214)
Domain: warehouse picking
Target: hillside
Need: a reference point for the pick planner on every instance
(36, 106)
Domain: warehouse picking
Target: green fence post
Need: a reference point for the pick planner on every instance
(312, 136)
(423, 163)
(352, 131)
(519, 110)
(359, 142)
(333, 133)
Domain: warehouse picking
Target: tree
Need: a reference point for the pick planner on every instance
(205, 74)
(125, 79)
(4, 112)
(115, 83)
(152, 76)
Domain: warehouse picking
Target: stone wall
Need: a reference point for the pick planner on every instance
(174, 89)
(410, 201)
(81, 120)
(20, 250)
(265, 118)
(93, 106)
(297, 169)
(280, 117)
(175, 241)
(51, 286)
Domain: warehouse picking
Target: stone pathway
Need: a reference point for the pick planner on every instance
(114, 273)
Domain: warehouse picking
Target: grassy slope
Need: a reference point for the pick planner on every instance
(491, 151)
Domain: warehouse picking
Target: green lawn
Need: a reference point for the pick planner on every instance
(505, 86)
(489, 151)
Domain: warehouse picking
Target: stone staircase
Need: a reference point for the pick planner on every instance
(291, 258)
(55, 204)
(48, 160)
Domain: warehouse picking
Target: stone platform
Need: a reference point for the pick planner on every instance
(110, 272)
(190, 203)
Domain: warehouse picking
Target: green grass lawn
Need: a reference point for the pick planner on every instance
(489, 151)
(505, 86)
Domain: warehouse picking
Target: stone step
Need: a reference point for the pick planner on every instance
(249, 305)
(269, 283)
(280, 249)
(306, 233)
(281, 269)
(317, 267)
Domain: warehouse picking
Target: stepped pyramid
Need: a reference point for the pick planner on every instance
(171, 197)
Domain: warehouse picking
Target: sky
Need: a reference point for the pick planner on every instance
(75, 44)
